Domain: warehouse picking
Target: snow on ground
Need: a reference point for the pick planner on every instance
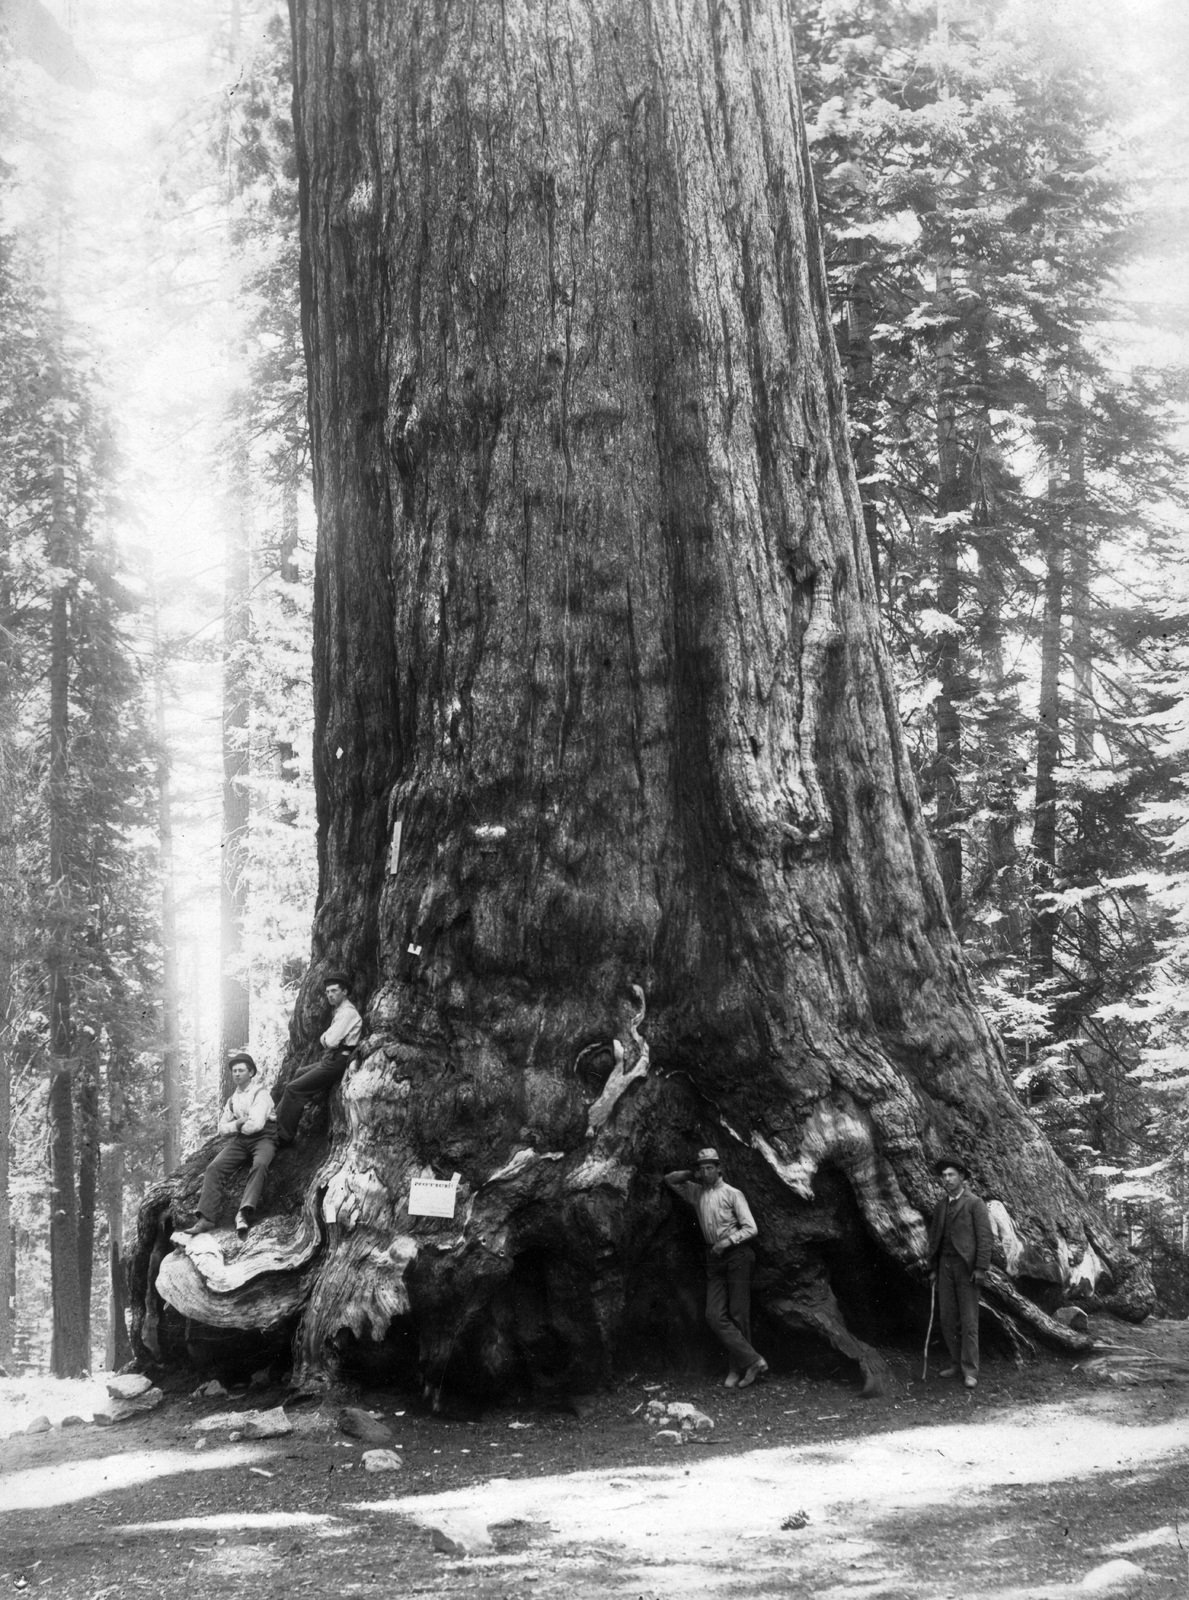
(694, 1515)
(22, 1399)
(35, 1487)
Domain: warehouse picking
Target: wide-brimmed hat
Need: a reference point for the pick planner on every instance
(956, 1162)
(707, 1155)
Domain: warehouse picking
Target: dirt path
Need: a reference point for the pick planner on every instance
(1022, 1489)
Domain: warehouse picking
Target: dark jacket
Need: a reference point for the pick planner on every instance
(970, 1231)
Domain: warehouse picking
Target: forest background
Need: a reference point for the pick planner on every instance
(1004, 191)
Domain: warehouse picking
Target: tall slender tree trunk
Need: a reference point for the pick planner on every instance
(290, 574)
(1082, 708)
(69, 1355)
(87, 1122)
(1045, 918)
(7, 1253)
(171, 1054)
(945, 657)
(233, 1033)
(860, 367)
(119, 1345)
(999, 760)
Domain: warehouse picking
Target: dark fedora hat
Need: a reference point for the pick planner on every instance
(956, 1162)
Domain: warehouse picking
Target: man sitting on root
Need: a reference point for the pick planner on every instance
(248, 1126)
(338, 1045)
(727, 1225)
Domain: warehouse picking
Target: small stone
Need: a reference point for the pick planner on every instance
(673, 1435)
(261, 1379)
(201, 1443)
(272, 1424)
(461, 1536)
(1074, 1318)
(312, 1423)
(441, 1541)
(40, 1425)
(128, 1386)
(361, 1425)
(250, 1424)
(681, 1411)
(213, 1390)
(120, 1410)
(1113, 1575)
(235, 1436)
(381, 1461)
(74, 1422)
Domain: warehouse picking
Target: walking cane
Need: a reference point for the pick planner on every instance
(929, 1335)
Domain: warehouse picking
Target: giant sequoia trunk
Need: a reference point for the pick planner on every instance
(601, 703)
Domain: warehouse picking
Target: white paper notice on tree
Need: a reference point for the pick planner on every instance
(433, 1197)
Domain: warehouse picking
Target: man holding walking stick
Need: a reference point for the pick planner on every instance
(960, 1239)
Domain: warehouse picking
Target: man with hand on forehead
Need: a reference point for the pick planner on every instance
(727, 1225)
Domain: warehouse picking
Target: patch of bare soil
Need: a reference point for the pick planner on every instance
(1039, 1479)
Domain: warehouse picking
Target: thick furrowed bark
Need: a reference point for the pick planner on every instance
(602, 703)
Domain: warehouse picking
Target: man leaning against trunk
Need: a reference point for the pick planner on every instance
(727, 1225)
(338, 1046)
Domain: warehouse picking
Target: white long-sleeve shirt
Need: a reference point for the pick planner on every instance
(253, 1104)
(345, 1027)
(724, 1215)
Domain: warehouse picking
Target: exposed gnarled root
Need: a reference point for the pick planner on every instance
(1056, 1333)
(812, 1308)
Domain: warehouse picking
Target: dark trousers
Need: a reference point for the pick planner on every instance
(728, 1303)
(957, 1305)
(301, 1089)
(257, 1148)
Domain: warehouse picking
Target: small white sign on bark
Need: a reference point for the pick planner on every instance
(433, 1197)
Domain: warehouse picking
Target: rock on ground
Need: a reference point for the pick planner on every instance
(361, 1425)
(40, 1425)
(128, 1385)
(460, 1536)
(271, 1424)
(1074, 1318)
(682, 1412)
(119, 1410)
(381, 1461)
